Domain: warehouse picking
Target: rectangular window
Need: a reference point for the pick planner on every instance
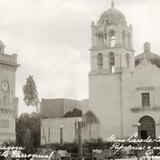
(4, 123)
(145, 99)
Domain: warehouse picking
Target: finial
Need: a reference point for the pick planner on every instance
(147, 50)
(147, 47)
(112, 4)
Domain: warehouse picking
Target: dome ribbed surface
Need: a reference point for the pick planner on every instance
(153, 58)
(112, 16)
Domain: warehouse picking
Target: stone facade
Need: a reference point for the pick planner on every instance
(8, 101)
(123, 92)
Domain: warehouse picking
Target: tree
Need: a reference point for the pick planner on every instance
(31, 97)
(28, 130)
(24, 117)
(74, 113)
(30, 92)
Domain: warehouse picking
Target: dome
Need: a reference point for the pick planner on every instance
(112, 16)
(148, 55)
(153, 58)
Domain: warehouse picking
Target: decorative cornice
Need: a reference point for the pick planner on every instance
(105, 72)
(141, 109)
(6, 112)
(9, 63)
(110, 48)
(9, 67)
(145, 88)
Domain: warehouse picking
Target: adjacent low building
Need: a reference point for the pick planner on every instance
(57, 108)
(66, 112)
(52, 128)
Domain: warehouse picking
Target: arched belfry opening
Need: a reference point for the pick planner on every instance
(112, 38)
(112, 62)
(146, 128)
(100, 61)
(123, 38)
(127, 60)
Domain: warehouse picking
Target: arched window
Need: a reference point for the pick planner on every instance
(100, 61)
(127, 60)
(123, 38)
(112, 38)
(112, 62)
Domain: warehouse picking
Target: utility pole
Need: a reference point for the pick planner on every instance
(61, 135)
(80, 138)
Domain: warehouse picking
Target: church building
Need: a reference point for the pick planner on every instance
(8, 101)
(124, 89)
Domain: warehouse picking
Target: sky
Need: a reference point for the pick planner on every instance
(52, 39)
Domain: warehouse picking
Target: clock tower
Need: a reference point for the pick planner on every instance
(8, 101)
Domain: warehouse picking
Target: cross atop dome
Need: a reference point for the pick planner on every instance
(112, 4)
(112, 16)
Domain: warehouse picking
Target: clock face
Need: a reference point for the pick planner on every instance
(5, 86)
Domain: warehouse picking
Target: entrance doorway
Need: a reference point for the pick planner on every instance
(144, 134)
(146, 128)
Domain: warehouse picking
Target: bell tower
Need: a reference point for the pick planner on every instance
(112, 48)
(112, 59)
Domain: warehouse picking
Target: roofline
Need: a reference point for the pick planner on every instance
(47, 99)
(148, 53)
